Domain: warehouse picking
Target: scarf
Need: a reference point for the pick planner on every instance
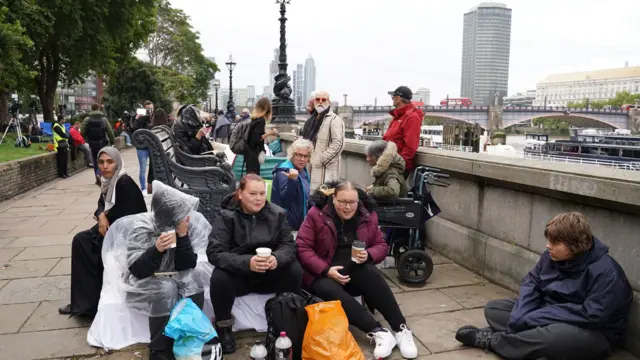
(108, 187)
(312, 126)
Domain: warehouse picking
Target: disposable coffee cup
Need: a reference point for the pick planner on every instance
(263, 252)
(174, 240)
(356, 247)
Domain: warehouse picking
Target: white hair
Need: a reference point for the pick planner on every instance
(297, 145)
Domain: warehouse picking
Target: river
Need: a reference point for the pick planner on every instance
(519, 141)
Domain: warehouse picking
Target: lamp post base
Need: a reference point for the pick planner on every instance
(284, 114)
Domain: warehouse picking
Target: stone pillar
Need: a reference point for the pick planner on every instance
(495, 117)
(346, 113)
(634, 120)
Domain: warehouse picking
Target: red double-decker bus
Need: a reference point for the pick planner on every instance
(456, 102)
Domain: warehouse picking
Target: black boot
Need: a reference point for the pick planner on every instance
(472, 336)
(160, 346)
(225, 334)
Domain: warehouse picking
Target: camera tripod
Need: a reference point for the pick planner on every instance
(14, 122)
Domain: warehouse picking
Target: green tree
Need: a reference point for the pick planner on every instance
(430, 120)
(593, 104)
(623, 98)
(73, 37)
(14, 73)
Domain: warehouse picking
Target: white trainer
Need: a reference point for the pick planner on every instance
(407, 346)
(385, 342)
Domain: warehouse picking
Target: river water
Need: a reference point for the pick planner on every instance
(519, 141)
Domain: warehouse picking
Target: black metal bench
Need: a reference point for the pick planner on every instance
(209, 183)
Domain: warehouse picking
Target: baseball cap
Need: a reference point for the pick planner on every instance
(402, 91)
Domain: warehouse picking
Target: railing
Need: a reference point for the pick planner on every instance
(456, 148)
(451, 108)
(633, 166)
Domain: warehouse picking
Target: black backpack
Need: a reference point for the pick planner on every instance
(286, 312)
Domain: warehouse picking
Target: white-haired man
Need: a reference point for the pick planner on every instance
(325, 129)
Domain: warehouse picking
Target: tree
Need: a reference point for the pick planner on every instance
(14, 74)
(430, 120)
(73, 37)
(622, 98)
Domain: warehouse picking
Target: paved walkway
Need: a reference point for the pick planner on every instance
(36, 230)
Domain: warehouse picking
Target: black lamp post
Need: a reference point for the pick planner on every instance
(216, 86)
(283, 106)
(231, 109)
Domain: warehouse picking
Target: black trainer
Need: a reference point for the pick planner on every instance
(227, 341)
(472, 336)
(65, 310)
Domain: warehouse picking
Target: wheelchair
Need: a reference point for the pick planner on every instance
(402, 222)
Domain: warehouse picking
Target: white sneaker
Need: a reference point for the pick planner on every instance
(385, 342)
(407, 346)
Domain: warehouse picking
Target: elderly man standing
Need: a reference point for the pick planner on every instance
(325, 129)
(404, 129)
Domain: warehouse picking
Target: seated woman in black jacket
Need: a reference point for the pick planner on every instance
(246, 223)
(189, 131)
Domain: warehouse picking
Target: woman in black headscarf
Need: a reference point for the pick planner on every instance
(189, 131)
(119, 196)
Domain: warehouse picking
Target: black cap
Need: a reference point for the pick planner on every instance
(402, 91)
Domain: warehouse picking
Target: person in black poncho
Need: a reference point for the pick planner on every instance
(120, 196)
(189, 131)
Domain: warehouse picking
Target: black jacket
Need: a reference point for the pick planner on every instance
(149, 262)
(236, 236)
(129, 200)
(187, 140)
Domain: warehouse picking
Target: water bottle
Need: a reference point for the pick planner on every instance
(258, 351)
(283, 347)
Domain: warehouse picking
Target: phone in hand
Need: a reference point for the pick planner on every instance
(141, 112)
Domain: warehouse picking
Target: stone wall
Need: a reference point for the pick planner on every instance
(494, 212)
(19, 176)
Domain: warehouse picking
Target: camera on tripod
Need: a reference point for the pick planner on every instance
(14, 108)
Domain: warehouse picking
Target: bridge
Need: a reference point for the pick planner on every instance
(499, 117)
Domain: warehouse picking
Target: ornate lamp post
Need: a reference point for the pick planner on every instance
(216, 86)
(283, 105)
(230, 106)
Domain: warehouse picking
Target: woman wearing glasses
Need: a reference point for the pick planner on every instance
(291, 183)
(339, 245)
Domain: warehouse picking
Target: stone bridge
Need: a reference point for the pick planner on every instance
(498, 117)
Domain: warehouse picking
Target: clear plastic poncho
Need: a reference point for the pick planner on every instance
(131, 236)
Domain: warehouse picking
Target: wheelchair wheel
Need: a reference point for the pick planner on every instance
(415, 266)
(400, 246)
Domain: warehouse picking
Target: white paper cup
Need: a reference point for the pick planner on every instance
(263, 252)
(173, 244)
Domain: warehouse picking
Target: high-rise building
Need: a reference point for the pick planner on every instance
(266, 92)
(309, 79)
(273, 71)
(486, 46)
(212, 89)
(423, 95)
(298, 87)
(251, 95)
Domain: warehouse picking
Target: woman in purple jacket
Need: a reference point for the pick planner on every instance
(342, 215)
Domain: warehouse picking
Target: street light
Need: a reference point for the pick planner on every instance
(283, 106)
(216, 86)
(231, 65)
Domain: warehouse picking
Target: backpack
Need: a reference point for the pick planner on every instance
(286, 313)
(239, 140)
(96, 132)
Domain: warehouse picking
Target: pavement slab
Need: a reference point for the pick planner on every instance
(5, 242)
(46, 317)
(474, 296)
(23, 242)
(8, 254)
(62, 268)
(437, 331)
(45, 252)
(425, 302)
(35, 289)
(26, 269)
(14, 315)
(445, 275)
(59, 228)
(45, 344)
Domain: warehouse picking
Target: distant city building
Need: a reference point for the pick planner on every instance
(79, 97)
(298, 86)
(267, 92)
(422, 95)
(486, 46)
(562, 89)
(521, 99)
(273, 71)
(309, 78)
(212, 89)
(251, 95)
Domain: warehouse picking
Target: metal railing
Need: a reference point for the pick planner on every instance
(633, 166)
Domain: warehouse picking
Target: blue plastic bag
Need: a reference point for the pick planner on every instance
(190, 328)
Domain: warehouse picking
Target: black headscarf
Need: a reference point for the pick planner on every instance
(190, 118)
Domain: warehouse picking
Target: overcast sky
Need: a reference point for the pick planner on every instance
(365, 48)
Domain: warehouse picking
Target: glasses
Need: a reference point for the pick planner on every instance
(300, 156)
(321, 100)
(345, 203)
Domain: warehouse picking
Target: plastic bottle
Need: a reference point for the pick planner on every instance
(258, 351)
(283, 347)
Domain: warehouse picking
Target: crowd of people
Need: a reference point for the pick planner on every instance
(574, 304)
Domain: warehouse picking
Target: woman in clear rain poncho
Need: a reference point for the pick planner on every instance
(147, 274)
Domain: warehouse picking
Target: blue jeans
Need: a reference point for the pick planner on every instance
(127, 138)
(143, 156)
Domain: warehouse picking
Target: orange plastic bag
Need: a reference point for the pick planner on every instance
(327, 336)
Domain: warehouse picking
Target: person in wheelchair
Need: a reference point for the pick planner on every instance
(151, 262)
(387, 168)
(339, 245)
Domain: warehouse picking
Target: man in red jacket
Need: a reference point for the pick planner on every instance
(79, 143)
(404, 129)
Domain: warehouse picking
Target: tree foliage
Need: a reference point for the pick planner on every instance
(73, 37)
(622, 98)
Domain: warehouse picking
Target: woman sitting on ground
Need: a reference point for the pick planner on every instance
(341, 220)
(152, 258)
(387, 170)
(119, 196)
(248, 222)
(291, 183)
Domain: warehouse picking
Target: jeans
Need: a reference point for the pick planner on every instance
(143, 157)
(87, 153)
(366, 280)
(557, 341)
(127, 138)
(94, 158)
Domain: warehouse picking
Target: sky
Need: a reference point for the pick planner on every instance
(365, 48)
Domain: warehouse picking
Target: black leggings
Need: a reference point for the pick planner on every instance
(366, 280)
